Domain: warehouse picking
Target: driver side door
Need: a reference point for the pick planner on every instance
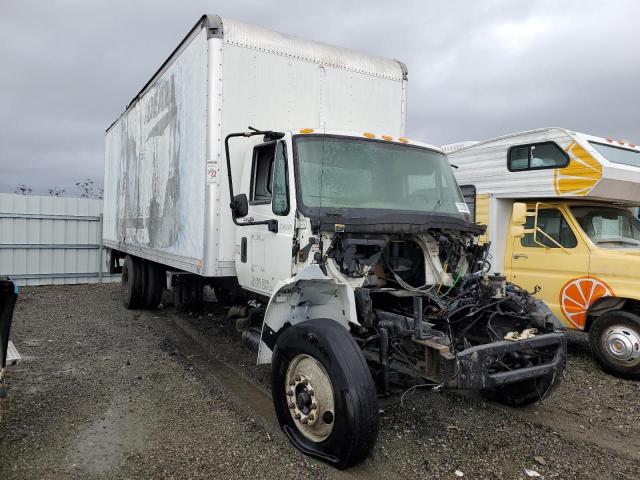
(264, 257)
(548, 265)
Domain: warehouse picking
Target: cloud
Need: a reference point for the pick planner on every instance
(476, 69)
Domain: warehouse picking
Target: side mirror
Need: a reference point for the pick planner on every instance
(519, 213)
(240, 206)
(517, 231)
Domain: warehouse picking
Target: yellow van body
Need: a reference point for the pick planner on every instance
(580, 247)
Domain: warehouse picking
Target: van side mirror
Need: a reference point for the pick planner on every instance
(517, 231)
(519, 213)
(240, 206)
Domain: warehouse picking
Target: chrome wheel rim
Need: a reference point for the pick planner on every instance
(622, 344)
(310, 399)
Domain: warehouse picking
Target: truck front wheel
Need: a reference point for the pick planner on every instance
(615, 342)
(323, 392)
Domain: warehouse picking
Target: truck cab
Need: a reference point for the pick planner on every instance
(561, 212)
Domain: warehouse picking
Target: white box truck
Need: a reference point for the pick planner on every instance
(353, 242)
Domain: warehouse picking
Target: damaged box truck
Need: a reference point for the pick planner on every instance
(353, 242)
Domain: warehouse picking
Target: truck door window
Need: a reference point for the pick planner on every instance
(280, 202)
(536, 156)
(262, 173)
(553, 223)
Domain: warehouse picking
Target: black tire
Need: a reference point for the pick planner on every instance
(355, 423)
(154, 285)
(523, 393)
(132, 281)
(627, 326)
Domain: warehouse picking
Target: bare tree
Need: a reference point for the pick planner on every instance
(56, 191)
(89, 189)
(22, 189)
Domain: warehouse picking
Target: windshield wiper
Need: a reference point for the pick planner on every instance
(635, 243)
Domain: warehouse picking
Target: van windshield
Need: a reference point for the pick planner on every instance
(345, 173)
(609, 227)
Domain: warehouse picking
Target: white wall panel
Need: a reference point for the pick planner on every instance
(49, 240)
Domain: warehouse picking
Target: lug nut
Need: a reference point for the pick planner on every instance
(311, 417)
(290, 393)
(292, 405)
(297, 378)
(305, 421)
(292, 383)
(297, 416)
(305, 382)
(314, 405)
(310, 391)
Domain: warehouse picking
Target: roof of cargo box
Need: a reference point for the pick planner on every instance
(244, 35)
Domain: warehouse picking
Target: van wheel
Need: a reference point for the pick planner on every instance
(132, 281)
(524, 392)
(615, 342)
(323, 392)
(154, 286)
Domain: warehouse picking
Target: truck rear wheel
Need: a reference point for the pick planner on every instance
(615, 342)
(154, 285)
(524, 392)
(323, 392)
(132, 281)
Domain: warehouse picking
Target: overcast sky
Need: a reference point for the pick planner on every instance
(477, 69)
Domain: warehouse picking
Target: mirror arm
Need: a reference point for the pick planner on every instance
(272, 224)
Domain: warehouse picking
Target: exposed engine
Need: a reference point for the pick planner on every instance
(428, 305)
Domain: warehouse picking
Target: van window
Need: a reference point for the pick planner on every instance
(616, 154)
(552, 222)
(536, 156)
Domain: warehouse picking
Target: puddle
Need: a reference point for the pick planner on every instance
(118, 431)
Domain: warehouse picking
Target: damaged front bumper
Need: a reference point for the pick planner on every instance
(476, 366)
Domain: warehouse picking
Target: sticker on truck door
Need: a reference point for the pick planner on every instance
(578, 295)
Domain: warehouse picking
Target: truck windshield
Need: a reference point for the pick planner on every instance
(348, 173)
(609, 227)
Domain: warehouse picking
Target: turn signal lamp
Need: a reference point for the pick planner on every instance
(306, 130)
(368, 135)
(388, 138)
(403, 140)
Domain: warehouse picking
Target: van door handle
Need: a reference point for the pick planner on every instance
(520, 255)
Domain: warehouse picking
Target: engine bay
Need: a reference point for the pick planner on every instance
(426, 299)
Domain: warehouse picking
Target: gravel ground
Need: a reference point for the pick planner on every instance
(108, 393)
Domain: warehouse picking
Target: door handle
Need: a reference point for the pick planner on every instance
(520, 255)
(243, 250)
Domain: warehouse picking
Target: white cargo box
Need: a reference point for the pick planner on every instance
(166, 193)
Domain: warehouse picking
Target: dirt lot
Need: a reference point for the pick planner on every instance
(108, 393)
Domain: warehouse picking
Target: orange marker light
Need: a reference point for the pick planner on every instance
(388, 138)
(306, 130)
(609, 140)
(403, 140)
(369, 135)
